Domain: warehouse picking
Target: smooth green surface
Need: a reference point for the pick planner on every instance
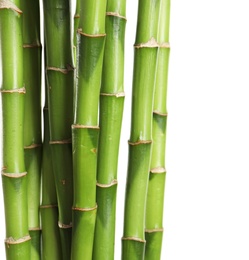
(90, 51)
(104, 240)
(153, 245)
(85, 142)
(155, 199)
(14, 189)
(51, 244)
(143, 93)
(60, 85)
(89, 72)
(145, 58)
(132, 250)
(83, 234)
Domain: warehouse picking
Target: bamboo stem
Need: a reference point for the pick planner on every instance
(32, 117)
(90, 49)
(155, 198)
(14, 179)
(133, 242)
(111, 112)
(51, 246)
(60, 78)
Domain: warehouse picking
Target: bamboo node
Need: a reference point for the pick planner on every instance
(165, 45)
(103, 185)
(153, 230)
(6, 4)
(134, 239)
(14, 175)
(76, 16)
(158, 170)
(12, 241)
(160, 113)
(152, 43)
(140, 142)
(48, 206)
(62, 70)
(66, 141)
(97, 35)
(117, 95)
(32, 146)
(35, 229)
(64, 226)
(85, 126)
(32, 45)
(11, 91)
(85, 209)
(116, 15)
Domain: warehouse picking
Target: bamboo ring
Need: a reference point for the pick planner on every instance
(134, 239)
(11, 91)
(153, 230)
(140, 142)
(6, 4)
(14, 175)
(112, 183)
(116, 15)
(117, 95)
(64, 226)
(12, 241)
(152, 43)
(158, 170)
(67, 141)
(48, 206)
(85, 209)
(32, 146)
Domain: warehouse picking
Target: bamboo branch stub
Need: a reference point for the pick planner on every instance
(12, 241)
(6, 4)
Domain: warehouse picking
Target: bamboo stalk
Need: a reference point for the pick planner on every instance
(60, 76)
(32, 118)
(14, 179)
(155, 198)
(85, 130)
(51, 246)
(133, 241)
(111, 112)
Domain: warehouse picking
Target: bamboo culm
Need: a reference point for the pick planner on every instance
(51, 245)
(155, 197)
(85, 130)
(60, 84)
(111, 111)
(146, 47)
(32, 118)
(14, 175)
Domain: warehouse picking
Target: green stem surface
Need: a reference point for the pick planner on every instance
(85, 131)
(111, 112)
(60, 80)
(155, 198)
(14, 179)
(51, 246)
(32, 117)
(133, 242)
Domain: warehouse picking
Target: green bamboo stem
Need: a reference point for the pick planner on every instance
(111, 112)
(60, 79)
(14, 179)
(133, 241)
(51, 246)
(76, 26)
(155, 197)
(32, 118)
(85, 130)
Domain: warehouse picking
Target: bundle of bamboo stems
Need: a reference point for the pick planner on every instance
(74, 170)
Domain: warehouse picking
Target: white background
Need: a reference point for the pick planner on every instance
(207, 190)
